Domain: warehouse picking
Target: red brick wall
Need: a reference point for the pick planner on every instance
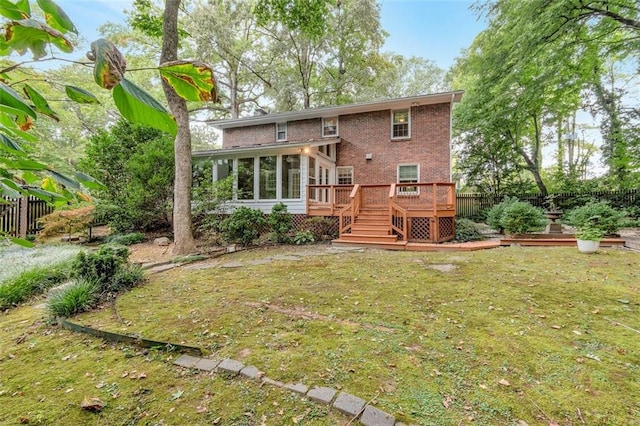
(370, 133)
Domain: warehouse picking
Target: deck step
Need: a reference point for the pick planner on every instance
(369, 238)
(393, 245)
(371, 230)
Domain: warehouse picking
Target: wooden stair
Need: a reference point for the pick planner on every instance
(371, 226)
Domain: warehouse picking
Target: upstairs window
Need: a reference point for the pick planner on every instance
(330, 126)
(281, 132)
(401, 124)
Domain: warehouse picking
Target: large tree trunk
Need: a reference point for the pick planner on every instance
(182, 234)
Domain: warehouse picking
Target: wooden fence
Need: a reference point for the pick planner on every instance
(474, 205)
(19, 217)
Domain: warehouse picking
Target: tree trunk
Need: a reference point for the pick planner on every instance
(182, 233)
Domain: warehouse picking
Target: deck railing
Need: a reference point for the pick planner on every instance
(397, 215)
(417, 199)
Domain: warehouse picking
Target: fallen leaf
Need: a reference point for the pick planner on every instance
(483, 387)
(202, 409)
(92, 404)
(176, 395)
(557, 327)
(24, 420)
(503, 382)
(576, 332)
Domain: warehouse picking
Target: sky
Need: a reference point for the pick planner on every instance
(432, 29)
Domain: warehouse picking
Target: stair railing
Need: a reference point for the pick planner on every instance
(397, 215)
(348, 214)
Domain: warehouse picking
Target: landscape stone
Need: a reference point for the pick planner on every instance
(272, 382)
(230, 366)
(349, 404)
(322, 394)
(251, 372)
(208, 364)
(297, 388)
(186, 361)
(375, 417)
(286, 257)
(162, 241)
(161, 268)
(232, 265)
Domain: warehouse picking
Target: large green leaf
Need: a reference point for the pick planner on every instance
(138, 106)
(40, 102)
(110, 65)
(65, 180)
(10, 98)
(8, 145)
(193, 81)
(10, 188)
(23, 164)
(48, 196)
(89, 181)
(29, 34)
(55, 17)
(17, 11)
(10, 128)
(80, 95)
(22, 242)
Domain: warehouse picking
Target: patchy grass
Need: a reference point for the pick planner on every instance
(482, 338)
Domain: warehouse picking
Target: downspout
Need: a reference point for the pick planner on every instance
(451, 137)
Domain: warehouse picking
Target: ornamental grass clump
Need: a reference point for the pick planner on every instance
(73, 299)
(32, 282)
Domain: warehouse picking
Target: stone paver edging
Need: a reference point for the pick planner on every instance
(350, 405)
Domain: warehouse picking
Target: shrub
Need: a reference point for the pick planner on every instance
(243, 225)
(494, 215)
(467, 230)
(321, 227)
(303, 237)
(599, 215)
(101, 265)
(280, 222)
(31, 282)
(127, 276)
(77, 297)
(126, 239)
(68, 221)
(520, 217)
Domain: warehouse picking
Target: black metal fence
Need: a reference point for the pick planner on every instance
(474, 206)
(19, 217)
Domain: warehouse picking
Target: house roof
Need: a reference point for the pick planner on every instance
(435, 98)
(267, 147)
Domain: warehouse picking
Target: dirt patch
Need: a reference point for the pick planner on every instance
(150, 253)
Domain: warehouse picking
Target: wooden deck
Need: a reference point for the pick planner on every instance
(388, 214)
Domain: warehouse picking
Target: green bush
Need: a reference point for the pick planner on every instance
(101, 265)
(31, 282)
(303, 237)
(280, 222)
(126, 239)
(467, 230)
(126, 277)
(520, 217)
(599, 215)
(243, 225)
(494, 215)
(77, 297)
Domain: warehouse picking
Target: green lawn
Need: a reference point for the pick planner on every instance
(481, 338)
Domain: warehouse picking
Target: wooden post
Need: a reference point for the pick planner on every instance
(23, 217)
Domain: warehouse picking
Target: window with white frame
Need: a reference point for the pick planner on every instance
(400, 124)
(281, 132)
(408, 173)
(328, 150)
(344, 175)
(330, 126)
(245, 178)
(291, 176)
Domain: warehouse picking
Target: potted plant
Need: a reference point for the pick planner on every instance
(588, 238)
(592, 222)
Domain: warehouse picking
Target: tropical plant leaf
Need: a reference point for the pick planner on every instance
(10, 188)
(11, 99)
(65, 180)
(29, 34)
(30, 178)
(138, 106)
(9, 127)
(89, 181)
(80, 95)
(23, 164)
(56, 17)
(17, 11)
(22, 242)
(193, 81)
(49, 196)
(110, 65)
(10, 146)
(40, 102)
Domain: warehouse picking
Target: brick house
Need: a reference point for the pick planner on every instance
(382, 168)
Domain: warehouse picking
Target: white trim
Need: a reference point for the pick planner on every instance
(408, 136)
(337, 132)
(286, 131)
